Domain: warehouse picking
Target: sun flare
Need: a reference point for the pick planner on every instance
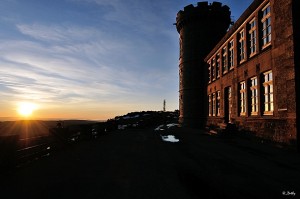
(26, 109)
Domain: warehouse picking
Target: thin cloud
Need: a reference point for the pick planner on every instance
(141, 16)
(57, 33)
(123, 64)
(62, 77)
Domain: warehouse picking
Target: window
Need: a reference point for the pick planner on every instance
(268, 93)
(213, 69)
(243, 98)
(229, 103)
(231, 54)
(254, 96)
(266, 26)
(209, 71)
(252, 37)
(209, 106)
(218, 65)
(214, 104)
(218, 102)
(224, 60)
(242, 46)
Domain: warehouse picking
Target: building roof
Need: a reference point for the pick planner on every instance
(253, 6)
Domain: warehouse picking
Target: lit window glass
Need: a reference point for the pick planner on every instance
(268, 93)
(252, 37)
(224, 60)
(218, 102)
(231, 54)
(266, 26)
(254, 96)
(243, 100)
(242, 46)
(214, 104)
(209, 106)
(218, 65)
(209, 71)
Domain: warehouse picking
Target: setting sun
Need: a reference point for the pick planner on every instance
(26, 109)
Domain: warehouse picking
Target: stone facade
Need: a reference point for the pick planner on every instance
(251, 75)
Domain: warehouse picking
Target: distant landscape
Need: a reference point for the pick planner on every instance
(31, 128)
(34, 127)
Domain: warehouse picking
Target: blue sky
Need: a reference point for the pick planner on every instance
(91, 59)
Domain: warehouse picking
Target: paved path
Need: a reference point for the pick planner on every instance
(138, 164)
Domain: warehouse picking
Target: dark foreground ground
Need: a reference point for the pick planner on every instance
(138, 164)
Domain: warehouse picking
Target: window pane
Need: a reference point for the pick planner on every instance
(271, 97)
(270, 76)
(266, 107)
(271, 107)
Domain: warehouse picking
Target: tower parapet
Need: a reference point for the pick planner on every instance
(204, 12)
(200, 28)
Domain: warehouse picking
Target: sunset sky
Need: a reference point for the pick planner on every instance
(90, 59)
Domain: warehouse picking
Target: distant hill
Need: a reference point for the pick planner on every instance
(8, 119)
(29, 128)
(142, 119)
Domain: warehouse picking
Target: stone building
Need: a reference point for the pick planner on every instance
(248, 76)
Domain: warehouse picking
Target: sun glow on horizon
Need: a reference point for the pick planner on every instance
(26, 109)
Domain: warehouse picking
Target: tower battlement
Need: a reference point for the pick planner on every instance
(203, 11)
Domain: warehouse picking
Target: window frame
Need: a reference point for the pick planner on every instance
(254, 96)
(218, 103)
(218, 64)
(252, 37)
(214, 104)
(224, 60)
(229, 102)
(231, 54)
(266, 28)
(242, 98)
(268, 93)
(242, 45)
(209, 105)
(214, 74)
(209, 72)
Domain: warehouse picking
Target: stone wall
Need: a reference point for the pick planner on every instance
(280, 58)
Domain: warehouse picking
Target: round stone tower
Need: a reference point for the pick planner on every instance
(200, 28)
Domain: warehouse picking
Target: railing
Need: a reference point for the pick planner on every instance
(32, 148)
(16, 151)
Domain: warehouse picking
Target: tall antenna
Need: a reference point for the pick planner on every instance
(164, 106)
